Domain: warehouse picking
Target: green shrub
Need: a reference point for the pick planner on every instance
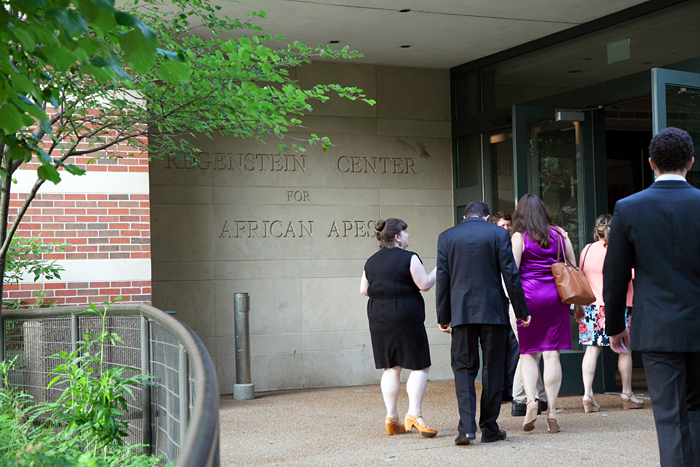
(87, 425)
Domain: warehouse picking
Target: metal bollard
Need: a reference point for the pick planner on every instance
(243, 389)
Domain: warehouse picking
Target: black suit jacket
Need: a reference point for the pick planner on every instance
(656, 231)
(471, 258)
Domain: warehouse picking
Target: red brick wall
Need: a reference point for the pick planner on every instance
(99, 226)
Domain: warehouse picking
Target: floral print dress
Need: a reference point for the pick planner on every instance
(591, 329)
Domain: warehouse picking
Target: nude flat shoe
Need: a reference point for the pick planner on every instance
(552, 424)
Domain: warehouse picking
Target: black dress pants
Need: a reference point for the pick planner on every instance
(465, 366)
(674, 386)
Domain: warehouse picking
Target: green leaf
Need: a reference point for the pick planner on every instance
(125, 19)
(58, 57)
(25, 39)
(73, 22)
(138, 51)
(48, 172)
(10, 119)
(28, 6)
(174, 72)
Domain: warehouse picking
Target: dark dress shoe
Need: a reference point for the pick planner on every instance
(500, 436)
(463, 439)
(506, 396)
(518, 409)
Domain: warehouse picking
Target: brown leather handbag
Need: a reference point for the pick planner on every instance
(572, 285)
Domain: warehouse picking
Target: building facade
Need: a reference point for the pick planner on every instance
(562, 106)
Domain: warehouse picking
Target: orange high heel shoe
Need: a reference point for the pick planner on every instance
(393, 428)
(410, 423)
(590, 406)
(530, 416)
(629, 403)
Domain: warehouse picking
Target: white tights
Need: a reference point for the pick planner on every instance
(415, 387)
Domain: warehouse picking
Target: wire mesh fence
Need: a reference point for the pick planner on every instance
(165, 416)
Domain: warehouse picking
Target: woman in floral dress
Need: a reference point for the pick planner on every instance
(592, 321)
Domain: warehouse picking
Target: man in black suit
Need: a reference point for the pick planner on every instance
(657, 231)
(472, 257)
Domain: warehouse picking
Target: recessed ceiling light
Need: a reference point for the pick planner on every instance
(405, 46)
(575, 71)
(646, 63)
(587, 59)
(334, 42)
(405, 10)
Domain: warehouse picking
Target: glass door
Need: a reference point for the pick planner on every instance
(549, 160)
(675, 102)
(469, 175)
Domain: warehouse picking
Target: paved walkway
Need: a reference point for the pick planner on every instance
(344, 426)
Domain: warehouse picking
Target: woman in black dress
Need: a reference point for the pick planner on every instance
(393, 279)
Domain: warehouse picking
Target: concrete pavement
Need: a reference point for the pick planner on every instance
(344, 426)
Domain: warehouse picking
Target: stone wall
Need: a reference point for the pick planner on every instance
(294, 231)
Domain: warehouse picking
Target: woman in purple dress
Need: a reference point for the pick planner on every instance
(536, 245)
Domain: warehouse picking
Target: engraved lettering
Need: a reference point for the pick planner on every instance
(397, 166)
(272, 224)
(309, 230)
(290, 229)
(204, 161)
(250, 162)
(301, 163)
(237, 160)
(265, 228)
(409, 166)
(188, 164)
(340, 159)
(277, 164)
(253, 227)
(384, 160)
(225, 230)
(306, 196)
(372, 165)
(356, 164)
(261, 158)
(360, 229)
(334, 228)
(347, 225)
(240, 227)
(219, 162)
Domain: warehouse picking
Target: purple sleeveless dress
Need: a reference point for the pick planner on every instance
(550, 328)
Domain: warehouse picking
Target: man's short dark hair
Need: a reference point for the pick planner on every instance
(671, 150)
(500, 215)
(477, 208)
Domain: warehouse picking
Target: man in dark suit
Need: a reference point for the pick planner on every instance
(472, 257)
(657, 231)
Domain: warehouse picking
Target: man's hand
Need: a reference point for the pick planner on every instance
(444, 328)
(525, 322)
(617, 342)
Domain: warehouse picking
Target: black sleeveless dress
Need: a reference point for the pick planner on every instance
(396, 311)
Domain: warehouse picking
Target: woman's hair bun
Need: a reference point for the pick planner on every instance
(387, 230)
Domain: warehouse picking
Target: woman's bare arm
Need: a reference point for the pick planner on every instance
(423, 280)
(518, 246)
(364, 285)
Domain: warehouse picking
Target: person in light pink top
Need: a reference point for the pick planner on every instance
(592, 321)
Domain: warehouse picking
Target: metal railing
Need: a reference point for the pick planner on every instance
(177, 418)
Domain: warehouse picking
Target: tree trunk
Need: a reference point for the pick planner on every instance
(4, 216)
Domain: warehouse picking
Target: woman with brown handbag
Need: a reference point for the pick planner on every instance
(591, 319)
(536, 243)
